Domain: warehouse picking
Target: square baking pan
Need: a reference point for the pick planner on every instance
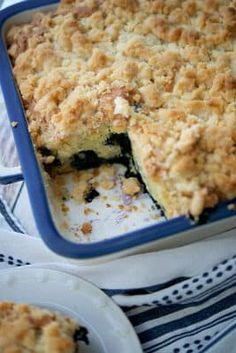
(158, 235)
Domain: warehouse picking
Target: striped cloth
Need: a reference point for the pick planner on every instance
(177, 313)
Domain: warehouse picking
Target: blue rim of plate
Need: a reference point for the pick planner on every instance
(34, 181)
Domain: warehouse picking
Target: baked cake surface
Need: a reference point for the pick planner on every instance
(161, 71)
(28, 329)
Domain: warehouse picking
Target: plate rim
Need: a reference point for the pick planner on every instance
(30, 273)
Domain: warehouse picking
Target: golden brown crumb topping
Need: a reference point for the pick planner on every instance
(163, 70)
(24, 329)
(131, 186)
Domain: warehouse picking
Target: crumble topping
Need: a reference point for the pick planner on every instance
(162, 71)
(131, 186)
(122, 107)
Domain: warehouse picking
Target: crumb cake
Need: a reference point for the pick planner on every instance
(28, 329)
(155, 80)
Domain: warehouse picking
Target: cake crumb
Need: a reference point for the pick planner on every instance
(86, 228)
(130, 208)
(131, 186)
(107, 184)
(48, 159)
(87, 211)
(58, 187)
(14, 124)
(64, 208)
(64, 226)
(80, 189)
(155, 216)
(231, 207)
(108, 170)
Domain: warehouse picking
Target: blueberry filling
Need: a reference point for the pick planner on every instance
(91, 195)
(121, 140)
(45, 151)
(89, 159)
(81, 334)
(85, 160)
(137, 107)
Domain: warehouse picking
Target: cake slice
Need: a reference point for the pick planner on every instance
(28, 329)
(187, 164)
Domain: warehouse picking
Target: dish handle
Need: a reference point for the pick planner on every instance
(10, 175)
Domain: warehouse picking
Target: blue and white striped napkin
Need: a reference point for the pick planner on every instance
(181, 300)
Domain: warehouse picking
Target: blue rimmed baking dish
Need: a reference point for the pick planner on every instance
(169, 233)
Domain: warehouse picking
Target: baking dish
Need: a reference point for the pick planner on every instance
(160, 235)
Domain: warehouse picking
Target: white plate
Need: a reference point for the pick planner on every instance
(109, 329)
